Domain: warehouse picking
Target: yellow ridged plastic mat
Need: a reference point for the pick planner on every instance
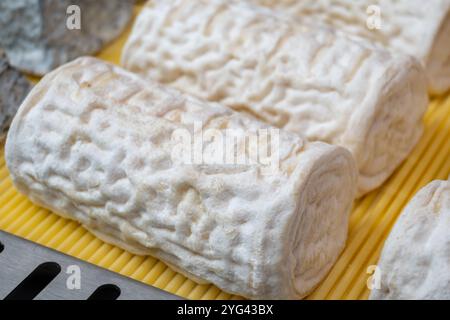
(370, 223)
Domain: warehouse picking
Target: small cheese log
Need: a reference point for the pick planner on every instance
(306, 80)
(96, 144)
(415, 261)
(415, 27)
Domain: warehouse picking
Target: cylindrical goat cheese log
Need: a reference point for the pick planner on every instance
(99, 145)
(309, 81)
(416, 27)
(415, 261)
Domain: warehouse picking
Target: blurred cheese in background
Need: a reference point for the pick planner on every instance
(301, 78)
(40, 35)
(13, 88)
(416, 27)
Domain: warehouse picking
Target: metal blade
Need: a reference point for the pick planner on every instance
(20, 257)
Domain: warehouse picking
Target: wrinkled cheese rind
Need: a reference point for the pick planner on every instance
(306, 80)
(415, 260)
(93, 143)
(415, 27)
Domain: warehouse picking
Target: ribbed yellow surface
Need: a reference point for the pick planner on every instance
(371, 220)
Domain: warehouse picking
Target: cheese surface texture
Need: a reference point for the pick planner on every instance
(95, 143)
(415, 27)
(415, 260)
(305, 80)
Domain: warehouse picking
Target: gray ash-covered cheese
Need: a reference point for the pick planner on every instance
(13, 88)
(39, 35)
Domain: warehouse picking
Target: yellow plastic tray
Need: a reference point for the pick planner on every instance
(371, 220)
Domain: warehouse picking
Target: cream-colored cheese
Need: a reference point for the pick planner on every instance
(416, 27)
(415, 260)
(303, 79)
(95, 143)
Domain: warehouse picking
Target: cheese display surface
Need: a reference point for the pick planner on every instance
(93, 143)
(415, 27)
(303, 79)
(415, 260)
